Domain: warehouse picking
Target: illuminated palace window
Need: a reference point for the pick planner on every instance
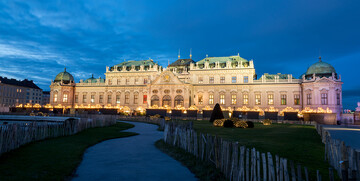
(270, 99)
(127, 98)
(246, 79)
(222, 99)
(145, 81)
(76, 98)
(92, 98)
(297, 99)
(308, 99)
(211, 80)
(65, 98)
(136, 98)
(338, 99)
(109, 99)
(55, 97)
(233, 99)
(101, 98)
(245, 99)
(257, 99)
(200, 80)
(211, 99)
(84, 98)
(200, 99)
(233, 80)
(145, 99)
(283, 99)
(324, 98)
(222, 79)
(117, 99)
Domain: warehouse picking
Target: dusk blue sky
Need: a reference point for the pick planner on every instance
(39, 38)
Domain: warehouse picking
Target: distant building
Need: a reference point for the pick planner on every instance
(230, 81)
(45, 97)
(14, 92)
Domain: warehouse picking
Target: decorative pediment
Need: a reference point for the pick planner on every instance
(167, 78)
(324, 80)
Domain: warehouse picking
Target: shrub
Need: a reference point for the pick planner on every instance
(218, 122)
(235, 119)
(216, 113)
(167, 118)
(228, 123)
(241, 124)
(250, 124)
(267, 122)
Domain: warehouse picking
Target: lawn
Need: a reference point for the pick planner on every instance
(57, 158)
(299, 143)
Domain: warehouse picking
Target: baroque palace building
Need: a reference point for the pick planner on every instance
(230, 81)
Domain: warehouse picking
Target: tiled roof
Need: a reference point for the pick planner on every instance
(23, 83)
(182, 62)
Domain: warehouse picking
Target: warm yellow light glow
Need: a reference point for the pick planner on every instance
(37, 106)
(271, 109)
(243, 109)
(19, 106)
(288, 109)
(28, 105)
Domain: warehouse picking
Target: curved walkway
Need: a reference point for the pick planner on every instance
(131, 158)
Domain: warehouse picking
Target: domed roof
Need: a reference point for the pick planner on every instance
(66, 77)
(320, 68)
(93, 80)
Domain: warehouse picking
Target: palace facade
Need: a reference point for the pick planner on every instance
(230, 81)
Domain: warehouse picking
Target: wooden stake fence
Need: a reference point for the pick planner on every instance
(344, 159)
(235, 161)
(12, 136)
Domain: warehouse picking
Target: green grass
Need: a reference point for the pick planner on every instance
(57, 158)
(299, 143)
(202, 170)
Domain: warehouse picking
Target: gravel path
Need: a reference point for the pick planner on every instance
(131, 158)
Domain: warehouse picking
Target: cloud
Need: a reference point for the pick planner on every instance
(39, 38)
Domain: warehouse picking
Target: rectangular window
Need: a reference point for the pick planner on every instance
(233, 79)
(101, 98)
(283, 99)
(324, 98)
(233, 99)
(297, 99)
(200, 80)
(211, 80)
(126, 81)
(211, 99)
(145, 81)
(127, 99)
(145, 99)
(222, 99)
(84, 98)
(136, 98)
(222, 79)
(109, 99)
(308, 99)
(76, 98)
(110, 82)
(271, 99)
(118, 81)
(338, 102)
(117, 99)
(136, 80)
(55, 97)
(245, 99)
(200, 99)
(92, 98)
(257, 99)
(246, 79)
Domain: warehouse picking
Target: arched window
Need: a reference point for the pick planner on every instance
(179, 101)
(155, 100)
(166, 101)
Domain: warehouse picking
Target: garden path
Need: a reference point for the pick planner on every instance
(131, 158)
